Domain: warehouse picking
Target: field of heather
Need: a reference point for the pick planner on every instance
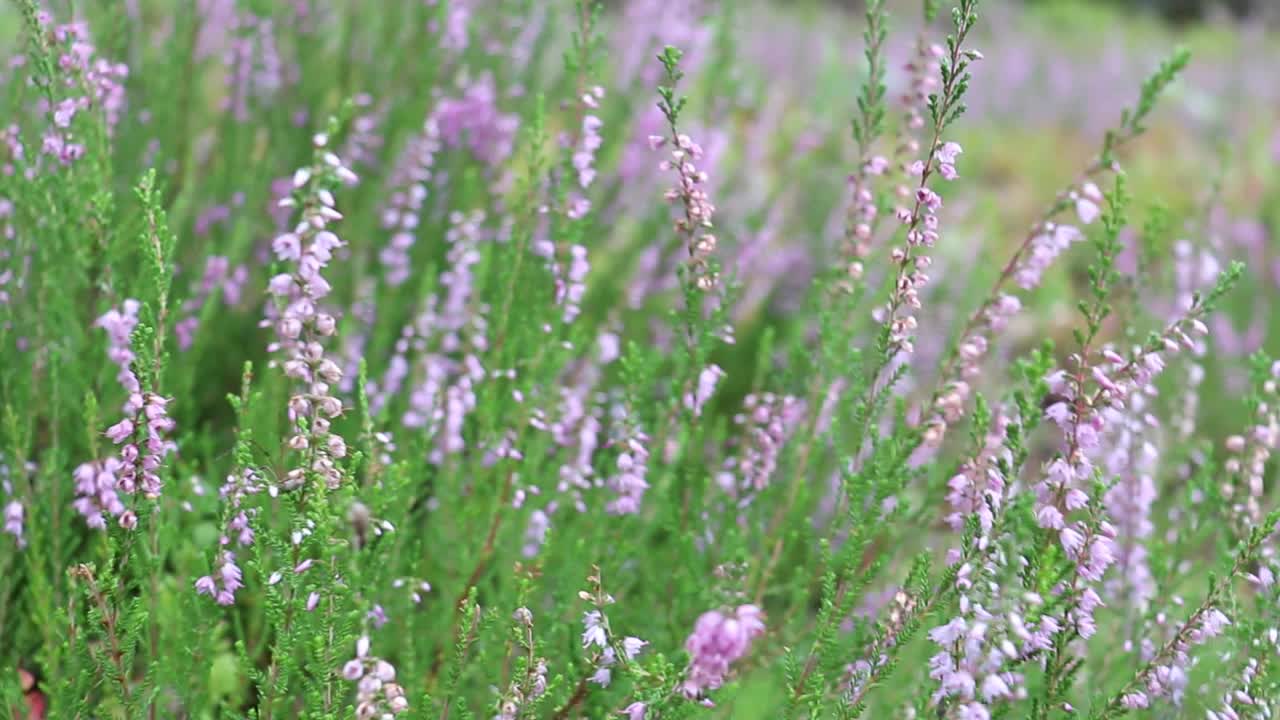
(639, 360)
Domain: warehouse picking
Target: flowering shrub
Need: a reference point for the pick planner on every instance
(506, 359)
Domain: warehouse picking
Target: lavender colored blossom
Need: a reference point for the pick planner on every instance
(475, 121)
(301, 324)
(364, 143)
(14, 515)
(138, 465)
(976, 666)
(226, 579)
(1084, 418)
(1045, 248)
(695, 219)
(412, 182)
(979, 480)
(1133, 461)
(703, 389)
(82, 70)
(628, 482)
(218, 275)
(119, 324)
(767, 421)
(861, 218)
(719, 639)
(1248, 454)
(96, 491)
(377, 693)
(451, 334)
(921, 222)
(255, 71)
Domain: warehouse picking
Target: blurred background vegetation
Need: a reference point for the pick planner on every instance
(1173, 10)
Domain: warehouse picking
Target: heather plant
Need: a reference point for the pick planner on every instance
(509, 359)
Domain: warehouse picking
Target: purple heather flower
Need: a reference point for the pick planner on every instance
(946, 157)
(1088, 201)
(1044, 249)
(226, 579)
(767, 421)
(629, 482)
(96, 491)
(255, 71)
(218, 274)
(475, 121)
(594, 632)
(301, 323)
(705, 387)
(693, 221)
(13, 522)
(719, 639)
(411, 183)
(377, 693)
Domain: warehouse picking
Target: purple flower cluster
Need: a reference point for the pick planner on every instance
(979, 480)
(632, 464)
(766, 422)
(1243, 700)
(584, 152)
(863, 215)
(475, 121)
(14, 515)
(301, 324)
(950, 404)
(238, 528)
(364, 142)
(1084, 416)
(226, 580)
(977, 644)
(1167, 675)
(8, 233)
(218, 275)
(102, 82)
(570, 276)
(970, 670)
(14, 512)
(96, 496)
(119, 324)
(452, 334)
(631, 647)
(1247, 456)
(694, 222)
(11, 137)
(589, 142)
(99, 484)
(454, 36)
(411, 180)
(150, 411)
(1044, 244)
(598, 638)
(255, 72)
(921, 222)
(924, 69)
(1045, 248)
(719, 639)
(703, 389)
(572, 287)
(1132, 461)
